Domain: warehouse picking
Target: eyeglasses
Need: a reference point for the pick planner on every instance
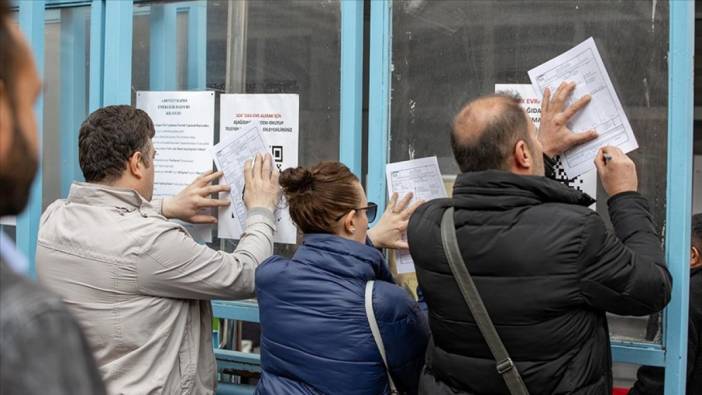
(371, 211)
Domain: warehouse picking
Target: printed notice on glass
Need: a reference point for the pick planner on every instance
(275, 117)
(421, 177)
(531, 103)
(230, 155)
(184, 123)
(583, 66)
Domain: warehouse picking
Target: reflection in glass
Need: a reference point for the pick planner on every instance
(448, 52)
(65, 84)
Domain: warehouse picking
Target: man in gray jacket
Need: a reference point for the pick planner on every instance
(139, 285)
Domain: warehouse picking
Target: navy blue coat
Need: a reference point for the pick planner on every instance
(315, 338)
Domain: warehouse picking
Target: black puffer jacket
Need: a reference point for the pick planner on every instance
(547, 269)
(650, 380)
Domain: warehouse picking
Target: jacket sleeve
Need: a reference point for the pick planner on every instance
(624, 274)
(178, 267)
(404, 331)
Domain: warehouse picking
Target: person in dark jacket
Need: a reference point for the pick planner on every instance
(315, 337)
(650, 380)
(546, 266)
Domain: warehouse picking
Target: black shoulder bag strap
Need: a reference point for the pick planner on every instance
(505, 366)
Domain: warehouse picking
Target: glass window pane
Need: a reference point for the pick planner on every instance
(66, 72)
(286, 46)
(290, 46)
(448, 52)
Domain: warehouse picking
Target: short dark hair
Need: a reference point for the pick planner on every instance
(493, 145)
(109, 137)
(697, 231)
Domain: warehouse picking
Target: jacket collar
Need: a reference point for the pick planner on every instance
(501, 189)
(123, 199)
(343, 257)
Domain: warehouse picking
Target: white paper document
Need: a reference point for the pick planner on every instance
(422, 177)
(184, 123)
(583, 65)
(531, 103)
(276, 117)
(230, 156)
(529, 100)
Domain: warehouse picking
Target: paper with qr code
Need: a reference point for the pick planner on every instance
(277, 120)
(531, 103)
(422, 178)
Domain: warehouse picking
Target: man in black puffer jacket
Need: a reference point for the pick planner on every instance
(546, 266)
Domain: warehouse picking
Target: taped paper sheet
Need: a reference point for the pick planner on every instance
(277, 117)
(583, 65)
(184, 123)
(230, 155)
(422, 177)
(531, 103)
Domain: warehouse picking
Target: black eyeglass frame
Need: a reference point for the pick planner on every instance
(371, 212)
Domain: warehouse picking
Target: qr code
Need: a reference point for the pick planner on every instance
(560, 175)
(277, 153)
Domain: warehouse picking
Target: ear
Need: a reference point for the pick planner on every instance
(135, 165)
(695, 259)
(522, 156)
(350, 222)
(6, 126)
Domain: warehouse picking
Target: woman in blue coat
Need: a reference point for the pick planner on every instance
(315, 335)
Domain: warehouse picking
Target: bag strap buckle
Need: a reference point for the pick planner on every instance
(505, 366)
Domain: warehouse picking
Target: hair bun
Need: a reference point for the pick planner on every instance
(296, 180)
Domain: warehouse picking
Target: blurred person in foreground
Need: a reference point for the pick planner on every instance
(42, 348)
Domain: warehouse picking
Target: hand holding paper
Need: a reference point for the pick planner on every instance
(583, 66)
(191, 204)
(554, 133)
(391, 228)
(262, 188)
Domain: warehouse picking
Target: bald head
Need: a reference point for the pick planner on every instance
(486, 131)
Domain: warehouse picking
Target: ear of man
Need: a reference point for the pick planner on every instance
(522, 161)
(695, 258)
(136, 165)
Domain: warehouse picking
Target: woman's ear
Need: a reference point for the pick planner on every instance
(350, 222)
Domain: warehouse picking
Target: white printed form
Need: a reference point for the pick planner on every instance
(230, 156)
(421, 177)
(583, 66)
